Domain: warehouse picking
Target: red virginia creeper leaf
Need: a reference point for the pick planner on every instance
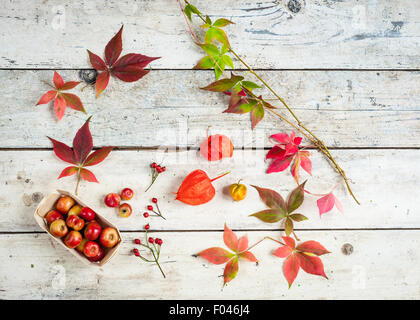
(326, 203)
(101, 82)
(216, 255)
(63, 151)
(88, 175)
(82, 143)
(305, 162)
(283, 252)
(96, 62)
(271, 198)
(231, 270)
(243, 243)
(59, 106)
(47, 97)
(129, 73)
(230, 239)
(290, 242)
(114, 48)
(223, 84)
(58, 80)
(256, 115)
(73, 101)
(98, 156)
(291, 268)
(276, 152)
(248, 256)
(311, 264)
(69, 171)
(312, 247)
(279, 164)
(134, 59)
(69, 85)
(283, 138)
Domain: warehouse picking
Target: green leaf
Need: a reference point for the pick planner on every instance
(298, 217)
(256, 115)
(204, 63)
(271, 198)
(296, 198)
(249, 85)
(216, 34)
(224, 49)
(210, 49)
(269, 215)
(288, 226)
(222, 22)
(219, 67)
(228, 61)
(208, 20)
(223, 84)
(189, 9)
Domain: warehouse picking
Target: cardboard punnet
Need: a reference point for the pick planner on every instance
(48, 203)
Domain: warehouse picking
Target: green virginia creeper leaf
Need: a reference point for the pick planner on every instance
(271, 198)
(216, 34)
(269, 215)
(231, 270)
(288, 226)
(222, 22)
(298, 217)
(296, 198)
(249, 85)
(208, 20)
(210, 49)
(228, 61)
(204, 63)
(223, 84)
(190, 9)
(256, 115)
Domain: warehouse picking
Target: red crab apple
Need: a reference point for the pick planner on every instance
(109, 237)
(58, 228)
(75, 210)
(112, 200)
(125, 210)
(91, 249)
(53, 215)
(73, 239)
(75, 222)
(87, 213)
(92, 230)
(82, 244)
(64, 204)
(127, 194)
(98, 257)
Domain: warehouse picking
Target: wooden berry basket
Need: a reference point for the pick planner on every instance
(48, 203)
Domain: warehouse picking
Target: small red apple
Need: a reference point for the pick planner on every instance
(127, 194)
(82, 244)
(98, 257)
(109, 237)
(125, 210)
(87, 213)
(73, 239)
(75, 222)
(58, 228)
(53, 215)
(64, 204)
(91, 249)
(75, 210)
(112, 200)
(92, 230)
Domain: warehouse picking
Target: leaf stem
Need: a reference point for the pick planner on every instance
(258, 242)
(78, 181)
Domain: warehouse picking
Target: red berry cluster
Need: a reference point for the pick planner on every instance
(156, 170)
(114, 199)
(150, 208)
(150, 244)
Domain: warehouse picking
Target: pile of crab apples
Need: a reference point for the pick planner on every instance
(79, 229)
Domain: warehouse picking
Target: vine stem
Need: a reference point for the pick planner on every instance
(306, 132)
(258, 242)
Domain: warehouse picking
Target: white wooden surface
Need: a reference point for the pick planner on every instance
(370, 118)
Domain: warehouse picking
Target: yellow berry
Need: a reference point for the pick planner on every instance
(237, 191)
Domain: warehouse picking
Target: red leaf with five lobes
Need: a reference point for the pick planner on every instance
(311, 264)
(280, 164)
(69, 171)
(243, 243)
(129, 73)
(326, 203)
(88, 175)
(96, 62)
(312, 247)
(73, 101)
(231, 270)
(69, 85)
(276, 152)
(216, 255)
(47, 97)
(63, 151)
(101, 82)
(97, 156)
(230, 239)
(271, 198)
(291, 268)
(114, 48)
(82, 143)
(134, 59)
(248, 256)
(58, 80)
(283, 252)
(59, 106)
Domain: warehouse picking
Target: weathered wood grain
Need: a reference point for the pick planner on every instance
(269, 34)
(34, 267)
(385, 181)
(166, 108)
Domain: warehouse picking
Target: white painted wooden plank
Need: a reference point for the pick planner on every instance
(322, 34)
(346, 109)
(385, 181)
(378, 268)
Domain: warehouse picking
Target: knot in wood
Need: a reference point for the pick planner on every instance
(294, 6)
(88, 76)
(347, 249)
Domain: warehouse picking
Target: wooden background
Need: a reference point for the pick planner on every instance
(349, 69)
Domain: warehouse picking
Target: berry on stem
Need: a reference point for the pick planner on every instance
(163, 169)
(137, 241)
(154, 200)
(150, 208)
(147, 227)
(151, 240)
(146, 214)
(154, 165)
